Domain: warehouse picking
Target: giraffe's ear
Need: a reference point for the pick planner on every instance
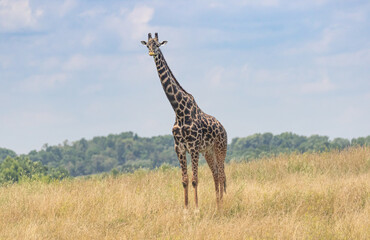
(163, 43)
(143, 42)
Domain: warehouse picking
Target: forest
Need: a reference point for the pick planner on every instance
(127, 151)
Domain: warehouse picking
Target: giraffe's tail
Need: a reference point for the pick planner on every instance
(225, 185)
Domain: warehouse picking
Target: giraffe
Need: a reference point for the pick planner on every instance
(194, 131)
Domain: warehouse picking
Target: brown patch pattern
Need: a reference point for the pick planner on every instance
(194, 131)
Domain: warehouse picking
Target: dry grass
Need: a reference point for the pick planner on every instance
(309, 196)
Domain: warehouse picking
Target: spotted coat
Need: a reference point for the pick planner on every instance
(194, 131)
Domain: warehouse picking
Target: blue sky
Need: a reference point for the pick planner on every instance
(75, 69)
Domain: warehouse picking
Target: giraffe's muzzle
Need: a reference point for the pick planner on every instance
(151, 54)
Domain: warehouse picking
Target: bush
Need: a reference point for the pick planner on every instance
(22, 168)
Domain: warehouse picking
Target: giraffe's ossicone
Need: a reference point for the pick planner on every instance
(194, 131)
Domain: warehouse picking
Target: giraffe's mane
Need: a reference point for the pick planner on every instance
(178, 84)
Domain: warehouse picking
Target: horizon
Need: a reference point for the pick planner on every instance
(76, 69)
(71, 142)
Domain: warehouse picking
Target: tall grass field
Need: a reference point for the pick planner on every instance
(295, 196)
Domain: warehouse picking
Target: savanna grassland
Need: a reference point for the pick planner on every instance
(296, 196)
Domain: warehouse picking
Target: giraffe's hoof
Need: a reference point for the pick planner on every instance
(185, 211)
(185, 214)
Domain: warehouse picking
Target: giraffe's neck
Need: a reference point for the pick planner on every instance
(173, 90)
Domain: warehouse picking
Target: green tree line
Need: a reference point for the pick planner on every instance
(124, 152)
(267, 144)
(127, 151)
(15, 169)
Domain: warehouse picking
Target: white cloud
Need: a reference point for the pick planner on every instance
(357, 16)
(271, 76)
(224, 77)
(321, 86)
(340, 30)
(324, 42)
(247, 77)
(327, 40)
(17, 14)
(5, 61)
(262, 3)
(242, 3)
(215, 75)
(67, 6)
(131, 26)
(139, 18)
(77, 62)
(304, 4)
(91, 13)
(356, 58)
(88, 39)
(286, 4)
(268, 76)
(141, 15)
(38, 83)
(80, 62)
(49, 63)
(92, 89)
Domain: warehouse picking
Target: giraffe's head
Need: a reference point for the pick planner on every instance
(153, 44)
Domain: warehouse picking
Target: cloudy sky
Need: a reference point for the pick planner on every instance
(73, 69)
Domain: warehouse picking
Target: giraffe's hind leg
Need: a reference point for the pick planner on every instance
(211, 159)
(220, 152)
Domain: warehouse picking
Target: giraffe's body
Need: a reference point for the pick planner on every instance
(194, 131)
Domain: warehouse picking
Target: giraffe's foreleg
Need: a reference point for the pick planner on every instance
(194, 163)
(181, 154)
